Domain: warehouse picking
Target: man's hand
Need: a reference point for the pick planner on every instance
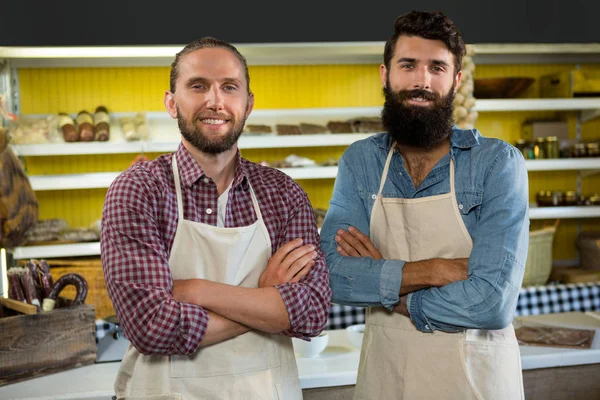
(290, 263)
(402, 308)
(354, 243)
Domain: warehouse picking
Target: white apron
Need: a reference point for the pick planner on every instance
(254, 365)
(398, 361)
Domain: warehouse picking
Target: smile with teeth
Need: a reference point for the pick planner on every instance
(212, 121)
(419, 99)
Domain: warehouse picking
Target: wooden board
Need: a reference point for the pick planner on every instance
(45, 343)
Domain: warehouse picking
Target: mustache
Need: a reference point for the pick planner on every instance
(200, 116)
(409, 94)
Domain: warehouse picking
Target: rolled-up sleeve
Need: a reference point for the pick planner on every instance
(356, 281)
(137, 274)
(308, 301)
(487, 299)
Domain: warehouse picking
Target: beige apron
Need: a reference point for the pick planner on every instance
(254, 365)
(398, 361)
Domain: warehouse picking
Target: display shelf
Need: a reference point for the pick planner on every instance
(362, 52)
(57, 250)
(563, 164)
(164, 136)
(100, 180)
(564, 212)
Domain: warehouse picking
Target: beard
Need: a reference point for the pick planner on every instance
(417, 126)
(193, 133)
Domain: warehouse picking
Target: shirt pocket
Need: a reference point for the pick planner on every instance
(469, 203)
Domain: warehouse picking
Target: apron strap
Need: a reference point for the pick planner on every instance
(386, 169)
(451, 174)
(255, 203)
(178, 189)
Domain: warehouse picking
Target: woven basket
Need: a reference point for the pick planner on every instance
(91, 270)
(539, 257)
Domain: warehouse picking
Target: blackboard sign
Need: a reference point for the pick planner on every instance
(153, 22)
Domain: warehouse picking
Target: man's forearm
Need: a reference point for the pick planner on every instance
(220, 329)
(432, 273)
(259, 308)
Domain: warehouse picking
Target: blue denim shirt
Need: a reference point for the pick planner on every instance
(492, 192)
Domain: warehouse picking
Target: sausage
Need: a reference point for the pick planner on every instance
(15, 289)
(46, 278)
(31, 265)
(67, 127)
(69, 279)
(101, 124)
(85, 126)
(29, 288)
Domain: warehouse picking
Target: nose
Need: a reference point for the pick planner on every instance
(214, 100)
(422, 79)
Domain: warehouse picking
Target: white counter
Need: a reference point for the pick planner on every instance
(336, 366)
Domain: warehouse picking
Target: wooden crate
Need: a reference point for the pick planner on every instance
(46, 343)
(91, 269)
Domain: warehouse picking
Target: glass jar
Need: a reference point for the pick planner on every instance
(552, 150)
(544, 198)
(539, 148)
(592, 149)
(579, 150)
(571, 198)
(558, 199)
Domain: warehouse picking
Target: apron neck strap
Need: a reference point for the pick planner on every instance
(387, 167)
(178, 188)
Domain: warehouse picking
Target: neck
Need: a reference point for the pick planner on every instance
(419, 162)
(218, 167)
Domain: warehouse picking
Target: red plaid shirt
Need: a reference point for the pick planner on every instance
(138, 227)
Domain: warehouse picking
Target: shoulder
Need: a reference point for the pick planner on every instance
(142, 179)
(272, 182)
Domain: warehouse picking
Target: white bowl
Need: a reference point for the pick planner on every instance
(312, 348)
(355, 334)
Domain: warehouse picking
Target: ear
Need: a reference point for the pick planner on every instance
(383, 74)
(170, 104)
(250, 105)
(457, 81)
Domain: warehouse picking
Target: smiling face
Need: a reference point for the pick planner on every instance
(211, 101)
(421, 65)
(419, 88)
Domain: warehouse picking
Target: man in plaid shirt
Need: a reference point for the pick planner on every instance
(212, 262)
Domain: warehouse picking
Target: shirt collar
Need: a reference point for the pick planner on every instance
(190, 171)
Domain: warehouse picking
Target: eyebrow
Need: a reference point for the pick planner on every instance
(431, 61)
(199, 79)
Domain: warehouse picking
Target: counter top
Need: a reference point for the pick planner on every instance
(336, 366)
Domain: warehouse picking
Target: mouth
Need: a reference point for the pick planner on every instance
(420, 101)
(213, 122)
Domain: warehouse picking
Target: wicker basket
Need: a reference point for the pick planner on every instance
(539, 257)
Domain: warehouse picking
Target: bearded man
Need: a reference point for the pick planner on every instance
(212, 262)
(428, 228)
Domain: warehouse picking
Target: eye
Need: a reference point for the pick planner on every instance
(407, 66)
(437, 68)
(197, 86)
(230, 88)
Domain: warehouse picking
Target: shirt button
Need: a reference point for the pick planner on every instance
(460, 207)
(400, 173)
(209, 211)
(205, 180)
(374, 196)
(426, 326)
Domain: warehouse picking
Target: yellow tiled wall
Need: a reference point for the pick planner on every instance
(70, 90)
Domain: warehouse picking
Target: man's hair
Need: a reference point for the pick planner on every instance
(428, 25)
(206, 43)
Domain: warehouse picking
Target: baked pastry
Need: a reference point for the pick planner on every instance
(366, 125)
(287, 129)
(308, 129)
(339, 127)
(258, 129)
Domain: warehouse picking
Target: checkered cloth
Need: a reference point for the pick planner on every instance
(342, 316)
(548, 299)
